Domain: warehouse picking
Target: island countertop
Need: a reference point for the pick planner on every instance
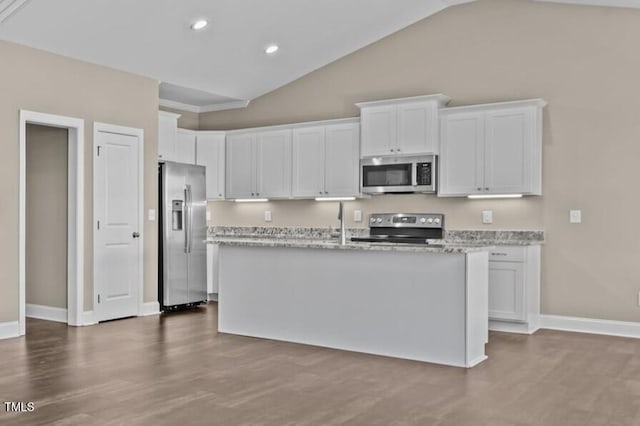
(333, 244)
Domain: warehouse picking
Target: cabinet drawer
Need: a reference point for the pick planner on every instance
(507, 254)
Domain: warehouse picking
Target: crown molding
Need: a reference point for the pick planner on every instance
(633, 4)
(9, 7)
(205, 108)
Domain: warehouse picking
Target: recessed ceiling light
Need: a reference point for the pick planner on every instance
(271, 49)
(199, 24)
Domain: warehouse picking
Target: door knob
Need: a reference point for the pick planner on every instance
(136, 235)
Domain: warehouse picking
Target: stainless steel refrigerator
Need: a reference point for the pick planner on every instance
(182, 280)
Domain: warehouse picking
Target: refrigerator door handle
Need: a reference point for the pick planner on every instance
(190, 218)
(186, 219)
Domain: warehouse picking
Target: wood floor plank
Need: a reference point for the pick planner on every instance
(177, 369)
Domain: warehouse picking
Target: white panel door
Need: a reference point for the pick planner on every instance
(273, 164)
(185, 151)
(240, 165)
(508, 151)
(308, 162)
(506, 291)
(210, 153)
(461, 154)
(379, 130)
(116, 231)
(416, 123)
(342, 160)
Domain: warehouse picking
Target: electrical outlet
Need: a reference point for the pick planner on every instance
(357, 215)
(151, 214)
(639, 298)
(487, 216)
(575, 216)
(267, 215)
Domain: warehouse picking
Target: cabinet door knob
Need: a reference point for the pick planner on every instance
(326, 192)
(479, 189)
(219, 195)
(257, 193)
(486, 189)
(391, 150)
(320, 192)
(252, 194)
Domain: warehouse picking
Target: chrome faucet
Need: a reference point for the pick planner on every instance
(343, 233)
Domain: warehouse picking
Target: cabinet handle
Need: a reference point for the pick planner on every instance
(391, 150)
(252, 194)
(498, 254)
(257, 193)
(326, 192)
(397, 149)
(479, 189)
(219, 195)
(486, 189)
(320, 192)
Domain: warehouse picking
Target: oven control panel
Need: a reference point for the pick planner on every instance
(406, 220)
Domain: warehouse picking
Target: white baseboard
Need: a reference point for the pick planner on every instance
(512, 327)
(149, 308)
(590, 325)
(9, 329)
(212, 297)
(87, 318)
(48, 313)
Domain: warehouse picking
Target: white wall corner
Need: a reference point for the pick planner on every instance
(48, 313)
(149, 308)
(9, 329)
(590, 325)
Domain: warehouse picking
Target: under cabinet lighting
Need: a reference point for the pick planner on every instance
(488, 196)
(335, 198)
(251, 200)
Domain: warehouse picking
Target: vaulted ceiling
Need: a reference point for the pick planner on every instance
(223, 65)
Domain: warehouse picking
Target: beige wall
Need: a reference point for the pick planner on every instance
(46, 243)
(187, 120)
(583, 60)
(43, 82)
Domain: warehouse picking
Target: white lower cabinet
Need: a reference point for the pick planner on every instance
(514, 288)
(212, 271)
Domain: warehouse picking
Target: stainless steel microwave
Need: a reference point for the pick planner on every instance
(381, 175)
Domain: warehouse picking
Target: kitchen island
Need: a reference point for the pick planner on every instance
(425, 303)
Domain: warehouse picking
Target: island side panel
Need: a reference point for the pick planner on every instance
(477, 306)
(400, 304)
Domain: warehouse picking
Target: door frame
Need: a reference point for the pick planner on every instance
(138, 133)
(75, 213)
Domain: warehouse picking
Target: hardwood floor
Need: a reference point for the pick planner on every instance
(176, 369)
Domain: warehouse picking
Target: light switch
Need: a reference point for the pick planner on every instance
(208, 215)
(267, 215)
(487, 216)
(357, 215)
(575, 216)
(151, 214)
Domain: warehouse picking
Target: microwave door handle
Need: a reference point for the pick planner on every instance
(414, 175)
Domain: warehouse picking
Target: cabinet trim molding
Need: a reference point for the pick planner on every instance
(292, 126)
(439, 97)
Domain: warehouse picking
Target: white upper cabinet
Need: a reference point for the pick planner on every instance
(342, 160)
(241, 174)
(259, 164)
(491, 149)
(185, 147)
(326, 160)
(273, 165)
(210, 152)
(308, 161)
(167, 134)
(404, 126)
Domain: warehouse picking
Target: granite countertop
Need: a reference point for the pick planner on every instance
(334, 244)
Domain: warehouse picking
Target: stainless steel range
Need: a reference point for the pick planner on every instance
(411, 228)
